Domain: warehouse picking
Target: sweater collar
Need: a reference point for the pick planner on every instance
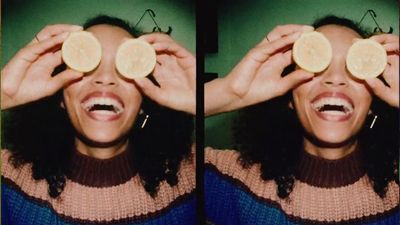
(94, 172)
(321, 172)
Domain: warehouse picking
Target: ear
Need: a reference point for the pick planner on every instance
(62, 104)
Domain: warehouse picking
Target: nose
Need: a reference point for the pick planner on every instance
(103, 77)
(335, 76)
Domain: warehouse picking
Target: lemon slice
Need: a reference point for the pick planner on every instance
(135, 58)
(312, 52)
(81, 51)
(366, 59)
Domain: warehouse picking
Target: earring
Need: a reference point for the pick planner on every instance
(144, 121)
(146, 117)
(375, 117)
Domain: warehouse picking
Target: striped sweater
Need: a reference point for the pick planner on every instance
(325, 192)
(96, 192)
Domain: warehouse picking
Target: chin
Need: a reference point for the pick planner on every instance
(103, 139)
(332, 139)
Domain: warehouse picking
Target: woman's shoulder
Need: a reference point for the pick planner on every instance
(11, 172)
(5, 161)
(228, 163)
(221, 157)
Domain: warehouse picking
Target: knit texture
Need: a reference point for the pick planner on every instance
(96, 192)
(325, 192)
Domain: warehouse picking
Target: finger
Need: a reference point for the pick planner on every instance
(62, 79)
(172, 48)
(287, 58)
(392, 47)
(268, 49)
(53, 30)
(284, 30)
(294, 79)
(164, 63)
(16, 69)
(45, 65)
(156, 37)
(50, 60)
(32, 52)
(161, 59)
(280, 61)
(385, 38)
(391, 73)
(164, 43)
(382, 91)
(160, 73)
(149, 89)
(393, 60)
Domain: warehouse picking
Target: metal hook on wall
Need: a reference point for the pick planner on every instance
(377, 28)
(156, 28)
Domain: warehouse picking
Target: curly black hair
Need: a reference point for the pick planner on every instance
(271, 135)
(40, 133)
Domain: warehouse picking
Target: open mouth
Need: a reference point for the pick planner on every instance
(333, 106)
(103, 105)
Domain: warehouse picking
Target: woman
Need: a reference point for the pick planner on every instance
(308, 151)
(91, 148)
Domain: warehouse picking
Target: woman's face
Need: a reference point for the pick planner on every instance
(102, 106)
(332, 107)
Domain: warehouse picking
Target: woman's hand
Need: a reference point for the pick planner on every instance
(27, 76)
(389, 94)
(175, 73)
(257, 77)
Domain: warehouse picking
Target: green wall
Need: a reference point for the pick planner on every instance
(242, 24)
(22, 19)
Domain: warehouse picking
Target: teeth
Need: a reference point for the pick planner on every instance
(320, 103)
(88, 104)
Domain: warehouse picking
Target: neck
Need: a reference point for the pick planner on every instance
(329, 152)
(101, 152)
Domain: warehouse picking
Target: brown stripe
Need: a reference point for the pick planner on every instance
(297, 219)
(78, 201)
(134, 219)
(306, 201)
(320, 172)
(94, 172)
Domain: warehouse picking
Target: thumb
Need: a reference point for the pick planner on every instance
(383, 92)
(293, 79)
(149, 89)
(60, 80)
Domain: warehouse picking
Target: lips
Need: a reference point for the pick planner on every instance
(103, 106)
(333, 106)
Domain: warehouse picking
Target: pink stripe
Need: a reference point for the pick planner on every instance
(88, 203)
(308, 202)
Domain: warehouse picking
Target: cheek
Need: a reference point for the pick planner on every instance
(133, 93)
(69, 94)
(300, 94)
(363, 94)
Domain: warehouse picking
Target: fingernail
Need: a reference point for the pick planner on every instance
(355, 40)
(297, 35)
(64, 35)
(306, 28)
(77, 27)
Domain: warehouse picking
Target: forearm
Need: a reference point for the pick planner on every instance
(219, 97)
(6, 100)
